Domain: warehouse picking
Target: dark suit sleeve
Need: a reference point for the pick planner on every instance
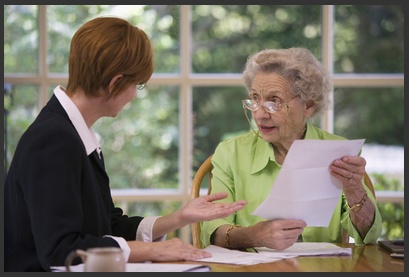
(124, 226)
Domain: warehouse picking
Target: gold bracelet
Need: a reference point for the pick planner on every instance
(357, 207)
(226, 236)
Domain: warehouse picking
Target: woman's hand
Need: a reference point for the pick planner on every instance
(199, 209)
(203, 208)
(350, 171)
(168, 250)
(278, 234)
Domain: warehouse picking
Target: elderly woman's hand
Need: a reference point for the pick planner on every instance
(278, 234)
(350, 171)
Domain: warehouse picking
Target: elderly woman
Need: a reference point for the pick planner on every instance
(286, 87)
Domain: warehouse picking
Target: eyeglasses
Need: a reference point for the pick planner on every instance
(269, 106)
(140, 86)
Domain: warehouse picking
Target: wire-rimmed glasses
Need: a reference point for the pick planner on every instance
(140, 86)
(269, 106)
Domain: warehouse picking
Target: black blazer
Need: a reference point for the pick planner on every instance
(56, 197)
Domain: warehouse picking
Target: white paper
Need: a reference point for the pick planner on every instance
(228, 256)
(304, 188)
(146, 267)
(307, 249)
(268, 255)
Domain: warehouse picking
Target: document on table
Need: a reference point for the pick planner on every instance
(268, 255)
(304, 188)
(307, 249)
(146, 267)
(229, 256)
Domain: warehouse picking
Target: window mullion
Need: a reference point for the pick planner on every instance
(327, 119)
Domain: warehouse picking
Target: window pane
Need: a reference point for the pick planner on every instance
(62, 23)
(20, 109)
(393, 220)
(224, 36)
(369, 39)
(64, 20)
(141, 145)
(218, 114)
(375, 114)
(20, 39)
(138, 208)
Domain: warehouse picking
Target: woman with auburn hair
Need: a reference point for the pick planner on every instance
(57, 192)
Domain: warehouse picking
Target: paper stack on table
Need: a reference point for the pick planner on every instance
(307, 249)
(267, 255)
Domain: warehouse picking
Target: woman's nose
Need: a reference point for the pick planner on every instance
(261, 113)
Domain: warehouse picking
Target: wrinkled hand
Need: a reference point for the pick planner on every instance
(168, 250)
(203, 208)
(349, 170)
(278, 234)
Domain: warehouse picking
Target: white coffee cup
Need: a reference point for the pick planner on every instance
(101, 259)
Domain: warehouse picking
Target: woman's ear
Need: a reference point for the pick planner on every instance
(310, 107)
(114, 80)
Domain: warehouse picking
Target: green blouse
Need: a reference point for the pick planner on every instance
(245, 167)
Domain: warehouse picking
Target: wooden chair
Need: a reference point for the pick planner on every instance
(205, 170)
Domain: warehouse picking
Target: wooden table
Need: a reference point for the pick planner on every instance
(364, 258)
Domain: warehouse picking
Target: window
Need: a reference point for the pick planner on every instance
(157, 142)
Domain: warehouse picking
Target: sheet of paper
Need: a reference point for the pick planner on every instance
(307, 249)
(304, 188)
(228, 256)
(146, 267)
(268, 255)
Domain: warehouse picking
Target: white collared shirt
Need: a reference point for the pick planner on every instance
(87, 135)
(91, 143)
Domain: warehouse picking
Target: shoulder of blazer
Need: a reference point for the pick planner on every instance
(54, 105)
